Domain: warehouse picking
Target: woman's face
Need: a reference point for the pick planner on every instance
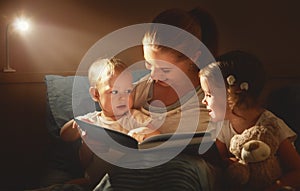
(167, 70)
(214, 99)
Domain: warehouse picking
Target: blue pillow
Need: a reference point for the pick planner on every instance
(59, 98)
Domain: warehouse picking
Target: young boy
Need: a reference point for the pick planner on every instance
(110, 87)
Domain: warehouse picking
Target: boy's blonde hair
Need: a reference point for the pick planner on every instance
(103, 69)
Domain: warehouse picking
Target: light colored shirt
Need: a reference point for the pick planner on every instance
(227, 131)
(129, 121)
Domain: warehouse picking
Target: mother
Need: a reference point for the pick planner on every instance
(174, 58)
(171, 95)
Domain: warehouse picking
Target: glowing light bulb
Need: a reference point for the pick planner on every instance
(21, 24)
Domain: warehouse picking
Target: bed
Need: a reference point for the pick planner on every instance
(64, 164)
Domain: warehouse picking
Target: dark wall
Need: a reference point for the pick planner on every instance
(64, 30)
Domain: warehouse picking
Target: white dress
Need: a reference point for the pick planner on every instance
(226, 131)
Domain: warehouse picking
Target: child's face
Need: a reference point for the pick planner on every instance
(214, 99)
(115, 95)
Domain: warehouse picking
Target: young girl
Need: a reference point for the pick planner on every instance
(244, 79)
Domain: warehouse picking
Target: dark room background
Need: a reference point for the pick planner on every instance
(63, 31)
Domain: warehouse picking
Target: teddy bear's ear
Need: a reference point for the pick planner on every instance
(255, 151)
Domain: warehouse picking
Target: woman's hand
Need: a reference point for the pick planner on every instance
(141, 133)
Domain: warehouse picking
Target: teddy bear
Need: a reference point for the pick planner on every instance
(255, 150)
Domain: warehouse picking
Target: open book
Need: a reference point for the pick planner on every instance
(114, 138)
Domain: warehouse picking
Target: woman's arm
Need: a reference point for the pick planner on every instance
(290, 162)
(69, 132)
